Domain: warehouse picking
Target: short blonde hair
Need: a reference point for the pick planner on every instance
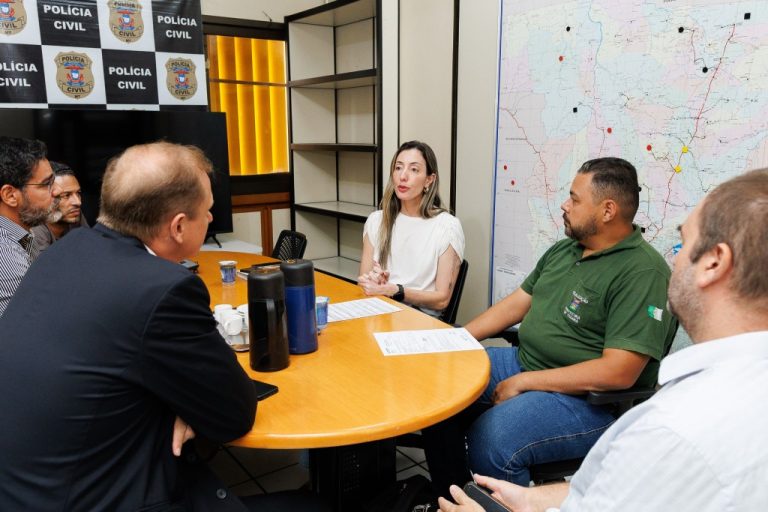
(149, 183)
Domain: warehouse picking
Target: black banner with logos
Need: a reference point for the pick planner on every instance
(69, 23)
(178, 27)
(117, 54)
(21, 72)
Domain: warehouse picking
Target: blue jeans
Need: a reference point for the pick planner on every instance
(531, 428)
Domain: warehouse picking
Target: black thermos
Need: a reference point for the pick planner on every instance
(300, 301)
(268, 332)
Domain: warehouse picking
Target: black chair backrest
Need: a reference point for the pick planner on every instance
(622, 400)
(449, 313)
(290, 245)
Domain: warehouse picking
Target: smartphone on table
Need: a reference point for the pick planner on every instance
(483, 497)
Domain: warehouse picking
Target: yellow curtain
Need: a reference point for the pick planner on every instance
(256, 114)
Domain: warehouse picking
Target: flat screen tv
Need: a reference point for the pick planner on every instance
(86, 139)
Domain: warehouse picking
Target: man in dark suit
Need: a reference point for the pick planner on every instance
(110, 358)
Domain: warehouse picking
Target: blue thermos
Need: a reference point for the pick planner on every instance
(300, 305)
(268, 326)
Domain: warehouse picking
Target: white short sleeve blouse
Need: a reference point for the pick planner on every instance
(417, 244)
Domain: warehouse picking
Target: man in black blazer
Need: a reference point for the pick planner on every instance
(109, 345)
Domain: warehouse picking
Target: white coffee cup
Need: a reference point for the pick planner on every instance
(231, 322)
(219, 309)
(243, 310)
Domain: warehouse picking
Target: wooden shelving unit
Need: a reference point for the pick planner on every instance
(334, 108)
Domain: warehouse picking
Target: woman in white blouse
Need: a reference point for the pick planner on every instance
(412, 247)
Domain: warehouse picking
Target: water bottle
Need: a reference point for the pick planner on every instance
(300, 302)
(268, 332)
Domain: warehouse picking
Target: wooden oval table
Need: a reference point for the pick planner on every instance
(347, 401)
(348, 392)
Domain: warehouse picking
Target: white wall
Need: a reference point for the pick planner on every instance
(426, 42)
(261, 10)
(476, 111)
(389, 85)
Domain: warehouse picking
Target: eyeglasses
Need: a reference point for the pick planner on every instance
(48, 183)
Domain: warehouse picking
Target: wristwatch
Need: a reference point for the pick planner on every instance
(399, 294)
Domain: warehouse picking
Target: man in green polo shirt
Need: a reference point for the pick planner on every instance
(594, 317)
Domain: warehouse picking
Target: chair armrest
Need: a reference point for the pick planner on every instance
(632, 395)
(509, 334)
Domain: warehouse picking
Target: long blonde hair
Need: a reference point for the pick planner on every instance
(390, 204)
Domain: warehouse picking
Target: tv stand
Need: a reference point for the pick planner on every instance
(213, 237)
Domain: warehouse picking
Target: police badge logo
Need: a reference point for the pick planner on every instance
(180, 78)
(74, 75)
(125, 20)
(13, 17)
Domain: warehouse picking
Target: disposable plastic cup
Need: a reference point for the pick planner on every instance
(321, 311)
(228, 271)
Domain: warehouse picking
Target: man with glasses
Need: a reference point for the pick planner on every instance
(66, 214)
(26, 180)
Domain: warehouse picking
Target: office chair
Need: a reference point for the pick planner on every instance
(413, 439)
(449, 313)
(621, 400)
(290, 245)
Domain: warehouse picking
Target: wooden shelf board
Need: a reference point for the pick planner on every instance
(338, 266)
(320, 146)
(339, 209)
(362, 78)
(335, 14)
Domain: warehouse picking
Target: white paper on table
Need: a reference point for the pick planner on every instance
(428, 341)
(359, 308)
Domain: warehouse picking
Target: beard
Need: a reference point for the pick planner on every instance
(54, 217)
(580, 232)
(30, 215)
(59, 217)
(683, 300)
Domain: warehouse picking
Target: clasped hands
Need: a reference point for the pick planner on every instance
(376, 282)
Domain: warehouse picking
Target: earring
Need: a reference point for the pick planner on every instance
(426, 189)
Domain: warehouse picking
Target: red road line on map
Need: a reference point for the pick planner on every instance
(709, 87)
(696, 126)
(547, 190)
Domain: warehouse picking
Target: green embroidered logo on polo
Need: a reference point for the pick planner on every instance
(571, 311)
(655, 313)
